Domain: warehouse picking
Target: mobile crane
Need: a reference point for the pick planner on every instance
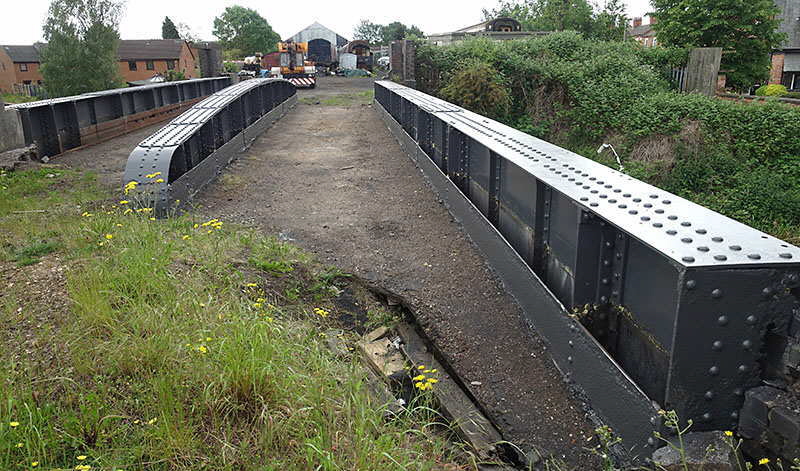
(293, 65)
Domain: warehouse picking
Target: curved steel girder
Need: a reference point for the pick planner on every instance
(173, 164)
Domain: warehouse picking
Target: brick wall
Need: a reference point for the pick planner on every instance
(776, 71)
(32, 74)
(7, 76)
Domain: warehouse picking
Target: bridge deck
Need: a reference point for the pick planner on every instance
(333, 179)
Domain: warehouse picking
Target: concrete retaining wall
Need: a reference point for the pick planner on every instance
(11, 134)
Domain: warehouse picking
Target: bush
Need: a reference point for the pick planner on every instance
(480, 88)
(772, 90)
(578, 94)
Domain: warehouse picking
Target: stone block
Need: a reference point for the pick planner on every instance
(704, 451)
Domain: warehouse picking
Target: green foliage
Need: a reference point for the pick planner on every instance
(479, 87)
(378, 34)
(168, 29)
(174, 75)
(244, 29)
(605, 23)
(11, 98)
(231, 67)
(81, 51)
(732, 157)
(746, 31)
(772, 90)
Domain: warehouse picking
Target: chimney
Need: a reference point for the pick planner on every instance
(637, 21)
(653, 20)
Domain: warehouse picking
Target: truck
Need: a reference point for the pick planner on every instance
(293, 65)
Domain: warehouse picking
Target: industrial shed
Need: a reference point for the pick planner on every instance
(323, 43)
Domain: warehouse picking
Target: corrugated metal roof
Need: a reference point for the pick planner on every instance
(22, 53)
(149, 49)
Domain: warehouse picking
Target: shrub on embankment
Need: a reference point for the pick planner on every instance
(740, 159)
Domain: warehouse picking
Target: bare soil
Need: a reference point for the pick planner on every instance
(333, 180)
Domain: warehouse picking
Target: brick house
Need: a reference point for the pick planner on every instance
(645, 34)
(786, 61)
(139, 59)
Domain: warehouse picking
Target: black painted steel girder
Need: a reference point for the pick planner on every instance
(680, 299)
(55, 125)
(178, 160)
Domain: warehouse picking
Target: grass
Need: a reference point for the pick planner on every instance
(12, 98)
(345, 99)
(179, 344)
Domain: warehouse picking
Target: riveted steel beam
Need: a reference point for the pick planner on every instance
(680, 299)
(61, 124)
(172, 165)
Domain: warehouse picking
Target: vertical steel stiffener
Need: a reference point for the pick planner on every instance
(172, 165)
(681, 298)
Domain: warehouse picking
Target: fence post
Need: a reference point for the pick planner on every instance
(702, 71)
(403, 62)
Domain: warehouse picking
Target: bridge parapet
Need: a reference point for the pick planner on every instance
(652, 301)
(178, 160)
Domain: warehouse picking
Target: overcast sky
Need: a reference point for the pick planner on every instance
(142, 18)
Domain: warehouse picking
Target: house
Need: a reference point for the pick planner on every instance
(139, 59)
(19, 65)
(786, 60)
(645, 34)
(323, 43)
(498, 28)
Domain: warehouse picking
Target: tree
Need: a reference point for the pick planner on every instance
(168, 29)
(244, 29)
(395, 31)
(81, 51)
(368, 31)
(746, 31)
(606, 23)
(186, 33)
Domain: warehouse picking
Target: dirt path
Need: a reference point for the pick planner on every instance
(331, 177)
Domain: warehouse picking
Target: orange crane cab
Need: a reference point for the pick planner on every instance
(293, 65)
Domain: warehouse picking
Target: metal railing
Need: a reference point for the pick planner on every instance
(59, 124)
(178, 160)
(646, 300)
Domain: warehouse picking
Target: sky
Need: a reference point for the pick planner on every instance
(142, 18)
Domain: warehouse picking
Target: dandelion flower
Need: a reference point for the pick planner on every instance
(152, 421)
(124, 202)
(728, 433)
(19, 445)
(434, 370)
(34, 464)
(202, 349)
(13, 424)
(196, 226)
(251, 285)
(160, 180)
(109, 236)
(418, 378)
(152, 219)
(86, 214)
(81, 457)
(186, 237)
(763, 461)
(127, 211)
(421, 367)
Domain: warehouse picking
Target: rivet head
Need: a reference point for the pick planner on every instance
(717, 239)
(709, 395)
(569, 359)
(701, 231)
(734, 415)
(657, 224)
(672, 232)
(686, 224)
(754, 256)
(713, 371)
(707, 416)
(651, 442)
(735, 248)
(717, 345)
(603, 299)
(720, 258)
(747, 344)
(605, 281)
(686, 240)
(751, 319)
(688, 259)
(738, 392)
(703, 248)
(744, 368)
(717, 293)
(786, 255)
(722, 320)
(691, 284)
(766, 292)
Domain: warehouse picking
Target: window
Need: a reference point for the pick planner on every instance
(23, 67)
(26, 82)
(131, 65)
(171, 65)
(150, 65)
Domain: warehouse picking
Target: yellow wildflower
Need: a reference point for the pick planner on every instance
(257, 305)
(124, 202)
(13, 424)
(209, 231)
(196, 226)
(152, 219)
(418, 378)
(131, 185)
(152, 421)
(434, 370)
(433, 380)
(421, 367)
(153, 175)
(81, 457)
(160, 180)
(202, 349)
(127, 211)
(186, 237)
(34, 464)
(728, 433)
(86, 214)
(763, 461)
(20, 445)
(251, 285)
(109, 236)
(208, 339)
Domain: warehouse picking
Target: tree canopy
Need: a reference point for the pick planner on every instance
(384, 34)
(606, 23)
(81, 51)
(168, 29)
(244, 29)
(746, 31)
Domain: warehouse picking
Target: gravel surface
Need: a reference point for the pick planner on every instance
(330, 177)
(334, 181)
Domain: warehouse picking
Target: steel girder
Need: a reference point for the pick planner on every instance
(178, 160)
(60, 124)
(680, 299)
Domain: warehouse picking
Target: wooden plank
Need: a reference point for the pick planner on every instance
(464, 415)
